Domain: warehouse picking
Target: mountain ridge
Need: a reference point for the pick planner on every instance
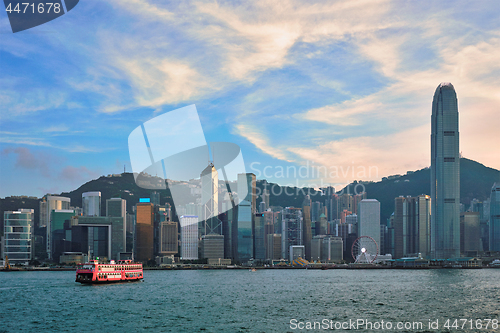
(476, 181)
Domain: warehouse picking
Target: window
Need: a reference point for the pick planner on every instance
(449, 133)
(449, 159)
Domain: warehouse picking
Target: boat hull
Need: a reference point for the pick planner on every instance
(107, 281)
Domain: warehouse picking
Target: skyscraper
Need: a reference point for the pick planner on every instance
(331, 203)
(58, 218)
(470, 234)
(369, 219)
(168, 238)
(144, 216)
(411, 226)
(307, 232)
(210, 200)
(445, 174)
(18, 230)
(259, 244)
(291, 230)
(116, 207)
(189, 237)
(91, 203)
(495, 218)
(243, 242)
(47, 205)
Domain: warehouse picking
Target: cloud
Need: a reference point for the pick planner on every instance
(25, 159)
(369, 158)
(56, 128)
(402, 108)
(347, 113)
(21, 139)
(77, 174)
(158, 82)
(260, 141)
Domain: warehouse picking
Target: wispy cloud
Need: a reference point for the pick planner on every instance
(399, 109)
(43, 142)
(331, 82)
(261, 141)
(59, 128)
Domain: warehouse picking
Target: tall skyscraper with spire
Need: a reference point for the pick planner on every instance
(445, 174)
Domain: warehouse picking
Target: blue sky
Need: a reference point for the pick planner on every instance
(341, 85)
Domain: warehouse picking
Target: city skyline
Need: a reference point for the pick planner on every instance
(288, 83)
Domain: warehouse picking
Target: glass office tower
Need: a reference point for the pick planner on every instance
(495, 218)
(445, 174)
(18, 233)
(246, 218)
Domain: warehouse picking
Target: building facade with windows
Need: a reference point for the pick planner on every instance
(17, 245)
(445, 174)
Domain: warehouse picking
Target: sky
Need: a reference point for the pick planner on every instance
(337, 90)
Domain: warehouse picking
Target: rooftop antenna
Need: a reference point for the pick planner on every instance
(124, 168)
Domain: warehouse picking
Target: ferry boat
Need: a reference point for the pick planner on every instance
(495, 263)
(120, 271)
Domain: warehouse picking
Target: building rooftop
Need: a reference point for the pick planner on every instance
(446, 85)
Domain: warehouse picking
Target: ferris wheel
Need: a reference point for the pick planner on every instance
(364, 250)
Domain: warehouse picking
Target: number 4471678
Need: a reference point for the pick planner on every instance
(471, 324)
(41, 8)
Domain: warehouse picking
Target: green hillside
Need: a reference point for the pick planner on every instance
(476, 182)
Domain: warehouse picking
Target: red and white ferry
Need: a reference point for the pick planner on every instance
(120, 271)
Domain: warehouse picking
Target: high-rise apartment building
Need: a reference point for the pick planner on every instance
(445, 174)
(331, 203)
(265, 198)
(345, 202)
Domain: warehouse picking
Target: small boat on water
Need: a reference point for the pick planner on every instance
(495, 263)
(120, 271)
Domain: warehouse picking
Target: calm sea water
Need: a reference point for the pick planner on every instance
(244, 301)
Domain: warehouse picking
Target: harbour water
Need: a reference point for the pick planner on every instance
(245, 301)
